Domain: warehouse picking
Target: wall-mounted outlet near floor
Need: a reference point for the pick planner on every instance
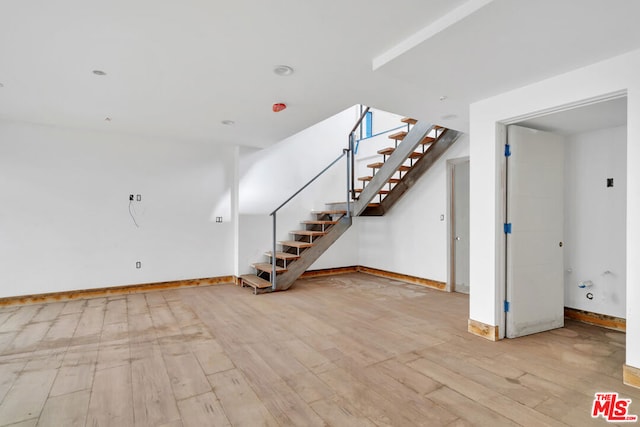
(441, 217)
(218, 219)
(138, 197)
(131, 197)
(138, 264)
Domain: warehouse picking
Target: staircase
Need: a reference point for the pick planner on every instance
(413, 152)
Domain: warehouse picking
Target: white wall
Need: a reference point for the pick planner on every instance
(411, 238)
(615, 75)
(269, 176)
(65, 223)
(595, 226)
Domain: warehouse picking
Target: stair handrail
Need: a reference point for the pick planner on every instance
(344, 152)
(350, 190)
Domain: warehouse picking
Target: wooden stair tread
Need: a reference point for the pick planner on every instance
(378, 165)
(330, 212)
(308, 232)
(398, 136)
(255, 281)
(409, 120)
(283, 255)
(389, 150)
(427, 140)
(359, 190)
(386, 151)
(267, 267)
(319, 222)
(369, 178)
(296, 244)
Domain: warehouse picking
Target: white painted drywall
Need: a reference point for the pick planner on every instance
(411, 238)
(615, 75)
(269, 176)
(65, 222)
(595, 226)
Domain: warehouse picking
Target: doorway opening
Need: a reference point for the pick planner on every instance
(565, 250)
(458, 213)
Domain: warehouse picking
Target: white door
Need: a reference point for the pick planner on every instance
(460, 180)
(534, 255)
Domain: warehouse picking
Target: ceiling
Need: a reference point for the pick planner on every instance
(601, 115)
(178, 69)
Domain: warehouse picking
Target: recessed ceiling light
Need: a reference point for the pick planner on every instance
(228, 122)
(283, 70)
(99, 73)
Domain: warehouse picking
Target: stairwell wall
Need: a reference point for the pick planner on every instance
(411, 238)
(65, 222)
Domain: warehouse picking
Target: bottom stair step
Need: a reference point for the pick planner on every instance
(267, 267)
(255, 282)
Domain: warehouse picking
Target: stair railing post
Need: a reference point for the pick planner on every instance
(273, 254)
(352, 140)
(349, 153)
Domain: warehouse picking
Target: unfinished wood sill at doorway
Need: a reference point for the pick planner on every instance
(609, 322)
(116, 290)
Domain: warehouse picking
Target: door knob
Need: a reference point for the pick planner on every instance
(457, 237)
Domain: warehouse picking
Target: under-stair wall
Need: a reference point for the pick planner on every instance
(410, 238)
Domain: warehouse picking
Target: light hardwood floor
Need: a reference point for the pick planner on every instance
(346, 350)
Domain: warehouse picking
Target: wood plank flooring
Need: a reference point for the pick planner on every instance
(347, 350)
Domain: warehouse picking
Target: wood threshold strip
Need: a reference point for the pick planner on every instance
(609, 322)
(115, 290)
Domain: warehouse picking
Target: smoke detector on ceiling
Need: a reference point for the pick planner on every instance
(283, 70)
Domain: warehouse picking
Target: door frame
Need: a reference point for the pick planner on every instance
(501, 141)
(450, 215)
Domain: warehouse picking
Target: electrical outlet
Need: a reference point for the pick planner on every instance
(138, 264)
(139, 197)
(609, 182)
(218, 219)
(131, 197)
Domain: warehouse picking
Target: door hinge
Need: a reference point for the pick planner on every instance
(507, 150)
(507, 228)
(506, 306)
